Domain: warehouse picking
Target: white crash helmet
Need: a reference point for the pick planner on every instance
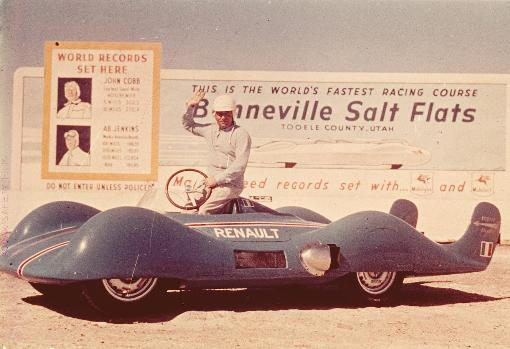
(224, 103)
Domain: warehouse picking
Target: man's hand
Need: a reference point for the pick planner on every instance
(197, 97)
(210, 182)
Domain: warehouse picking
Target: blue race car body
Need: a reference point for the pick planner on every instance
(67, 243)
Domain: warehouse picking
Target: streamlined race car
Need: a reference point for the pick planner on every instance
(320, 153)
(122, 258)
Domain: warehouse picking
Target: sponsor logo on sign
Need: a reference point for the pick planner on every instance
(482, 183)
(422, 183)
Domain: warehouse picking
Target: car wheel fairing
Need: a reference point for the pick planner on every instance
(57, 291)
(121, 296)
(377, 286)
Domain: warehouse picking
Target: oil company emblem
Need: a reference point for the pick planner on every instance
(422, 183)
(482, 183)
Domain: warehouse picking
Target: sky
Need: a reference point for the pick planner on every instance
(299, 35)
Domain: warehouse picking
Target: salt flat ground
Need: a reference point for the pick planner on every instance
(455, 311)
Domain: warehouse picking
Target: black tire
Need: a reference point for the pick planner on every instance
(376, 287)
(64, 292)
(123, 296)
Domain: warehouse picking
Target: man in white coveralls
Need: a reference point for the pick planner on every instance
(74, 156)
(229, 149)
(74, 108)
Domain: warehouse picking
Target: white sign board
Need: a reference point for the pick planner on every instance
(101, 111)
(332, 142)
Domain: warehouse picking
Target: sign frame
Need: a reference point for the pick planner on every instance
(155, 49)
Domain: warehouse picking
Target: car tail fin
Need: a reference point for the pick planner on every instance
(405, 210)
(481, 237)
